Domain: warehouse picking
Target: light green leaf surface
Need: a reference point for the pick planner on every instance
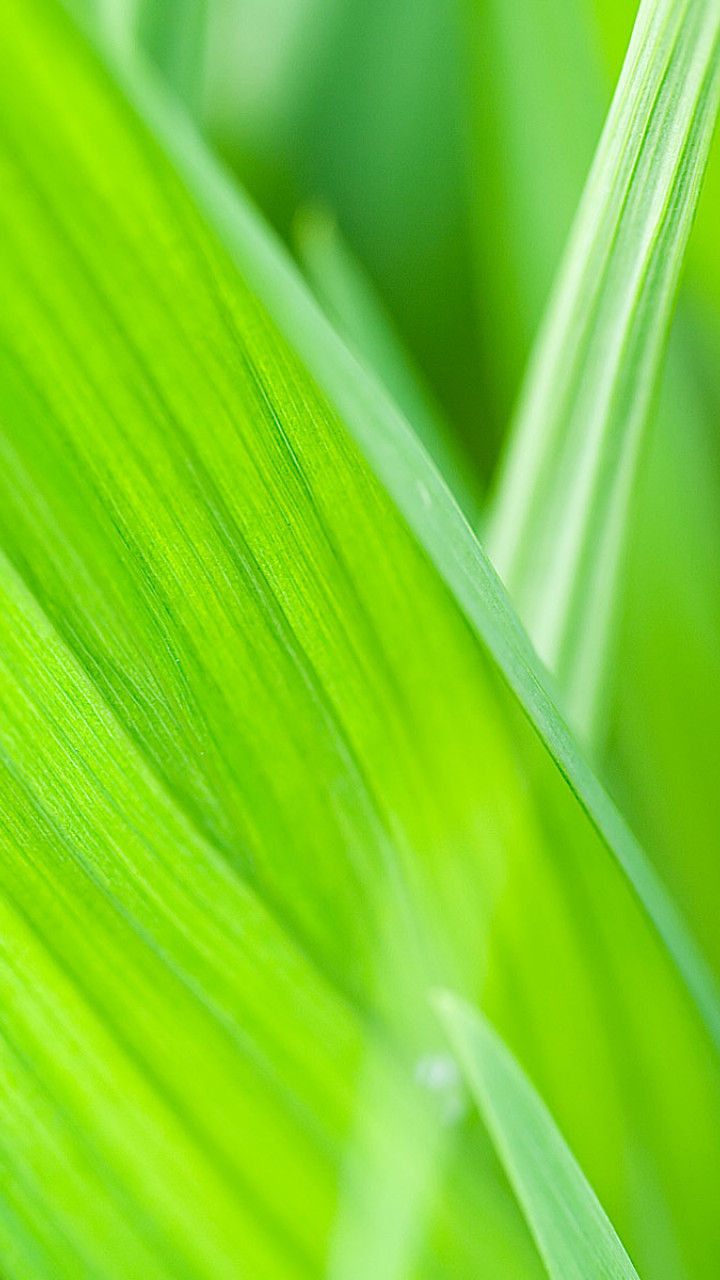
(262, 781)
(574, 1235)
(428, 508)
(113, 22)
(558, 525)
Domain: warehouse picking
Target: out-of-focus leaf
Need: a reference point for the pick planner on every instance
(351, 302)
(174, 33)
(537, 103)
(359, 105)
(664, 750)
(114, 22)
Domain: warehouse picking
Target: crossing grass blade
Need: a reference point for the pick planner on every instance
(558, 524)
(574, 1235)
(654, 736)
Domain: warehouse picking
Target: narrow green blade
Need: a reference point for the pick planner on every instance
(558, 525)
(573, 1233)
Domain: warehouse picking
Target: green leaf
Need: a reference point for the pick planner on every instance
(573, 1233)
(659, 732)
(236, 689)
(663, 753)
(558, 525)
(426, 505)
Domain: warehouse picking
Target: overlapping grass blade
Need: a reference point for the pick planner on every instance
(574, 1235)
(559, 520)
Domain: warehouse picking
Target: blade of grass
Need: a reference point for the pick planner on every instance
(427, 506)
(203, 537)
(557, 528)
(573, 1233)
(659, 733)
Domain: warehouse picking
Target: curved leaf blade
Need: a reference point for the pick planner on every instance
(573, 1233)
(559, 520)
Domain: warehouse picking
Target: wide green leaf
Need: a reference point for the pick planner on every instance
(424, 501)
